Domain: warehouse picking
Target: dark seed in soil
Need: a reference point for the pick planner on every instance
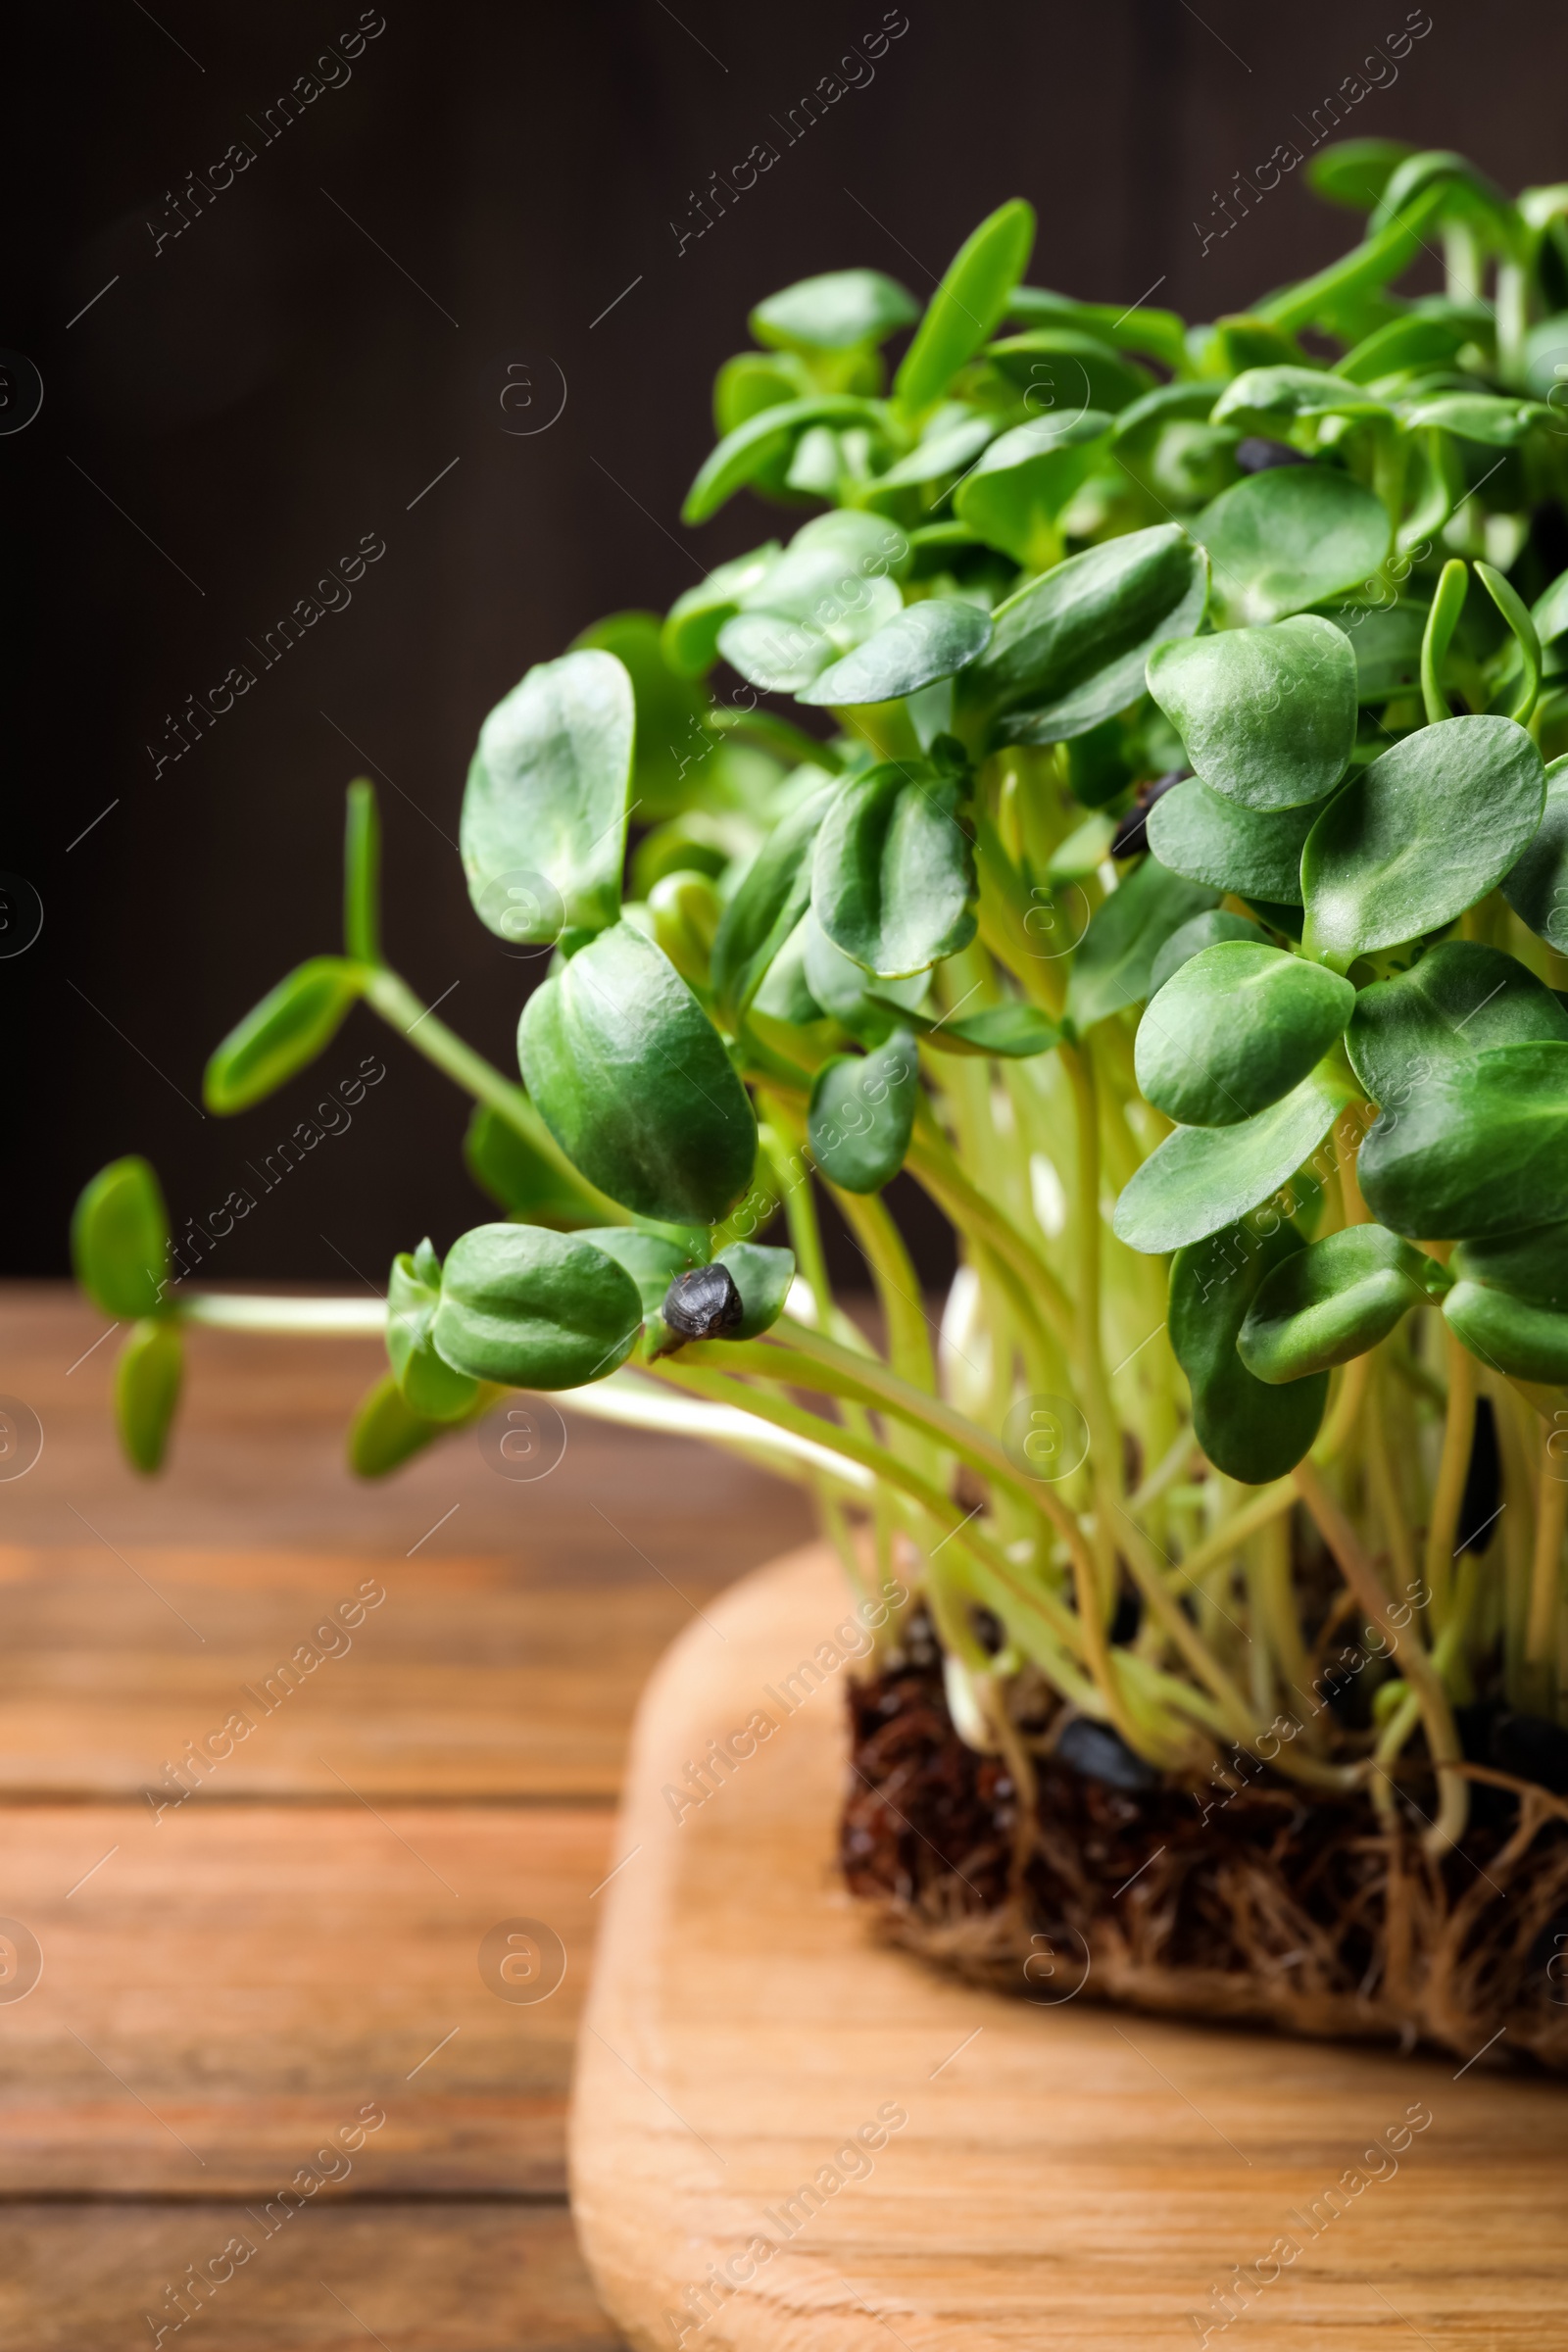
(704, 1304)
(1100, 1753)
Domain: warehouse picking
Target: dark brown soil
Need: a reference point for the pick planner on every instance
(1263, 1903)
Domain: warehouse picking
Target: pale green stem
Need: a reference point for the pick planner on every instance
(393, 999)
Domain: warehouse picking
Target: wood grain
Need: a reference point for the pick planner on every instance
(1066, 2175)
(419, 2277)
(227, 1983)
(232, 1984)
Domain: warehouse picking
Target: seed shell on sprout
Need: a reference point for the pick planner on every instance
(704, 1303)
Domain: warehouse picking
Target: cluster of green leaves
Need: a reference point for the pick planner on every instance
(1193, 800)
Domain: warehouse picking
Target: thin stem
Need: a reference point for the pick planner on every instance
(316, 1318)
(1443, 1739)
(1546, 1593)
(1458, 1436)
(399, 1006)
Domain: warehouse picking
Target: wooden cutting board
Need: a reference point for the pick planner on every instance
(786, 2137)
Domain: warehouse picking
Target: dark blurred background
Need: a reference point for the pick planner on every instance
(310, 363)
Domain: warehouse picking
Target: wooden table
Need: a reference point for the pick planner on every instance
(233, 1986)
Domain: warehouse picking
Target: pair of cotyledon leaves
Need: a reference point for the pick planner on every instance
(1258, 1320)
(518, 1306)
(1467, 1055)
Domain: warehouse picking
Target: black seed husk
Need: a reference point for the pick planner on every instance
(704, 1303)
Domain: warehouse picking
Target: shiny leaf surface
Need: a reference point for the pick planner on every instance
(892, 872)
(1423, 833)
(967, 304)
(1481, 1147)
(547, 795)
(1237, 1027)
(1287, 538)
(1332, 1302)
(531, 1309)
(1254, 852)
(1070, 648)
(1268, 716)
(633, 1081)
(283, 1033)
(1249, 1430)
(1460, 998)
(862, 1114)
(1202, 1178)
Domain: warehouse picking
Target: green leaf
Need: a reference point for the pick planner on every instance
(893, 873)
(773, 895)
(1431, 336)
(1533, 1264)
(427, 1383)
(919, 645)
(1237, 1027)
(547, 794)
(1549, 611)
(1199, 932)
(1387, 644)
(519, 1177)
(762, 1277)
(1070, 648)
(1062, 372)
(1254, 852)
(967, 304)
(1159, 333)
(1248, 1430)
(1423, 833)
(670, 709)
(834, 312)
(1011, 494)
(1268, 716)
(147, 1379)
(1261, 400)
(869, 1009)
(1514, 612)
(120, 1241)
(1112, 965)
(1333, 1302)
(1287, 538)
(692, 624)
(1459, 999)
(1482, 417)
(531, 1309)
(283, 1033)
(862, 1114)
(386, 1432)
(633, 1082)
(1355, 171)
(1481, 1148)
(1201, 1178)
(826, 594)
(1012, 1032)
(652, 1260)
(953, 435)
(1536, 886)
(745, 453)
(1442, 619)
(1512, 1335)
